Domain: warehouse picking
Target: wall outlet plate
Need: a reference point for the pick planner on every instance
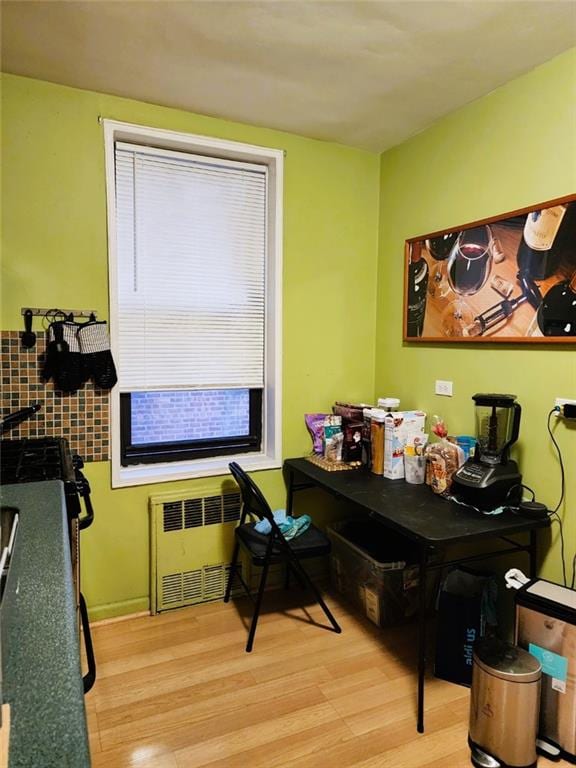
(443, 388)
(561, 401)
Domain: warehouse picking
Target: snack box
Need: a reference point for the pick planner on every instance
(399, 427)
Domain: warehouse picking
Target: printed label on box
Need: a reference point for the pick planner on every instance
(372, 605)
(553, 664)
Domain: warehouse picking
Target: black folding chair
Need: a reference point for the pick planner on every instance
(272, 548)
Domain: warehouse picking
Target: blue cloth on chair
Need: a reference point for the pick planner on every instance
(289, 526)
(299, 525)
(263, 526)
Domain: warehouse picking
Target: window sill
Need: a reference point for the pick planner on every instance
(148, 474)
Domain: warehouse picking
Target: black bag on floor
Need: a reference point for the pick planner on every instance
(466, 612)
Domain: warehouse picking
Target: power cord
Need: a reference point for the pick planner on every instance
(554, 512)
(559, 452)
(561, 528)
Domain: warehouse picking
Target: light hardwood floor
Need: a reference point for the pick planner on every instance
(178, 691)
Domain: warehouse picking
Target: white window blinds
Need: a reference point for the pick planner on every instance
(191, 245)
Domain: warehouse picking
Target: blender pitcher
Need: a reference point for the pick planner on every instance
(497, 426)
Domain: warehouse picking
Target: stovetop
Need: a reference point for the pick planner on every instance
(31, 460)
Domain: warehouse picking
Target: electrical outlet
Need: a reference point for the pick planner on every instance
(443, 388)
(562, 401)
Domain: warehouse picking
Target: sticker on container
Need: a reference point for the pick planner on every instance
(558, 685)
(553, 665)
(372, 605)
(410, 578)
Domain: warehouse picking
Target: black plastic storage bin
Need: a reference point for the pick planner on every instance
(377, 570)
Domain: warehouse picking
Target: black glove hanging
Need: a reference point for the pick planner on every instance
(64, 362)
(95, 348)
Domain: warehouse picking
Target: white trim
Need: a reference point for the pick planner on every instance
(190, 142)
(271, 456)
(194, 158)
(148, 474)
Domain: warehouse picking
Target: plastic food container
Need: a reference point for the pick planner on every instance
(377, 419)
(415, 469)
(467, 443)
(389, 403)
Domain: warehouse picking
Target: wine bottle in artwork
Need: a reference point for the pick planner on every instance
(549, 238)
(417, 285)
(441, 245)
(440, 248)
(557, 312)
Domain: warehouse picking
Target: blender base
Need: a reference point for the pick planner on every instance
(487, 487)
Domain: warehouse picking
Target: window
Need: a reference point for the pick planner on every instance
(189, 424)
(194, 242)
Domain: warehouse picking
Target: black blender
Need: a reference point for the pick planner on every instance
(490, 478)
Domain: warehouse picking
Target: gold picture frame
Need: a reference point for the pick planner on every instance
(508, 278)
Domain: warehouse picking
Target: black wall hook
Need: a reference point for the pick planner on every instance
(28, 337)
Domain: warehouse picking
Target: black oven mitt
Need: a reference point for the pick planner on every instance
(95, 348)
(63, 361)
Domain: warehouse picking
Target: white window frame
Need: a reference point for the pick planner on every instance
(270, 456)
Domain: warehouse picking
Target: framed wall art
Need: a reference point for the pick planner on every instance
(511, 278)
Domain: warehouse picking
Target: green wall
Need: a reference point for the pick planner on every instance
(513, 148)
(510, 149)
(55, 254)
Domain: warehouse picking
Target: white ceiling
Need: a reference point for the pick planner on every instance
(367, 74)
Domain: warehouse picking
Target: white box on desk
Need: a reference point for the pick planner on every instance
(399, 427)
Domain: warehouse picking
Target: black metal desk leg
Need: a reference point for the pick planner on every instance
(290, 494)
(421, 635)
(533, 553)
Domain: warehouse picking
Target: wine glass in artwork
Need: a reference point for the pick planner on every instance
(468, 269)
(439, 248)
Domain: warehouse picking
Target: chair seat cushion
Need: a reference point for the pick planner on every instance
(312, 543)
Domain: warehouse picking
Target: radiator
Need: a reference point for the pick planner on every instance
(192, 536)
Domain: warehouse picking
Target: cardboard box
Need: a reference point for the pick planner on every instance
(399, 426)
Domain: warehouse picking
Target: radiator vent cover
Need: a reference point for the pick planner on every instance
(191, 587)
(195, 512)
(192, 537)
(172, 516)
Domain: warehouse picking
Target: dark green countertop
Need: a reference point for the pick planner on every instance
(41, 673)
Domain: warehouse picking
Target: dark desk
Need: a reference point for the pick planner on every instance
(428, 520)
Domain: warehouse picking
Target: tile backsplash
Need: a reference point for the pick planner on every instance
(82, 418)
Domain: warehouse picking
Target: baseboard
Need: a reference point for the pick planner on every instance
(124, 609)
(118, 619)
(130, 609)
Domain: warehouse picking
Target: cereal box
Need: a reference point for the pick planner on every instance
(399, 427)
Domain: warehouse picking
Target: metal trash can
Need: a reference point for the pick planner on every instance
(504, 706)
(546, 626)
